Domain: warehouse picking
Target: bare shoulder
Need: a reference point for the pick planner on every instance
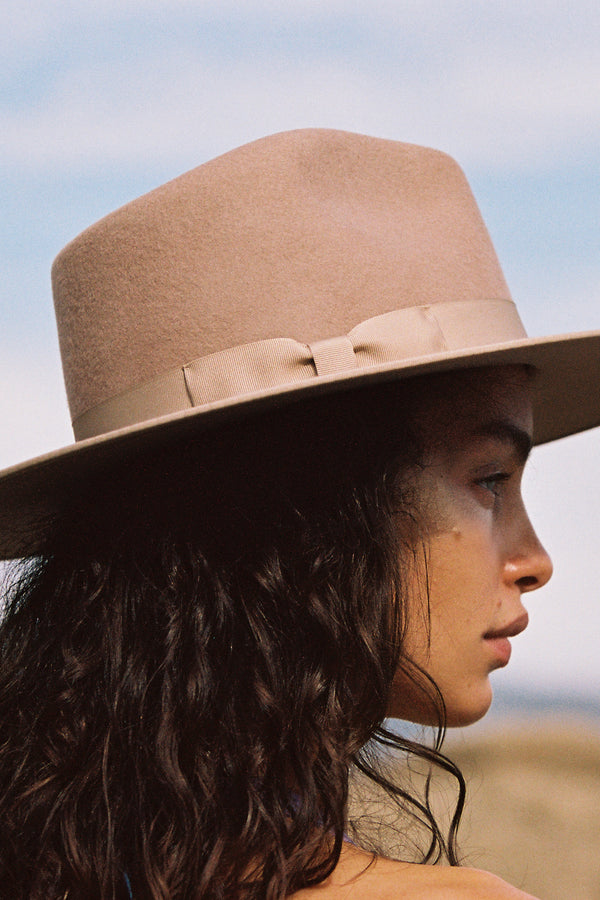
(360, 876)
(392, 880)
(474, 883)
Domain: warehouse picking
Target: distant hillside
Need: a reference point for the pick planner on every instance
(533, 802)
(533, 805)
(508, 701)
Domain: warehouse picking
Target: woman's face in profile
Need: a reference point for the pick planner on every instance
(482, 553)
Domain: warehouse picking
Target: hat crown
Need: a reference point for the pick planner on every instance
(299, 235)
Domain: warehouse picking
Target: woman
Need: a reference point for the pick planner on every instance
(303, 402)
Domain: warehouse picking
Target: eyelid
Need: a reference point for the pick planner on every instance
(495, 476)
(498, 452)
(498, 464)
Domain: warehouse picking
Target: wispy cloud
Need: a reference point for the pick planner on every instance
(513, 88)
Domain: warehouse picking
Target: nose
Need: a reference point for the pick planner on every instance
(530, 568)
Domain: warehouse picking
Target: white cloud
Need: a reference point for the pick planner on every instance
(429, 14)
(489, 112)
(506, 84)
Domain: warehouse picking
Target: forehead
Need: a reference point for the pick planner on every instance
(476, 403)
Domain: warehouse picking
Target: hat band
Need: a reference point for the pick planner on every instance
(401, 336)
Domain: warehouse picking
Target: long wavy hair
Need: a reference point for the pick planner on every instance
(204, 649)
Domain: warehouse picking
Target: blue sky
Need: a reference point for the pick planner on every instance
(104, 100)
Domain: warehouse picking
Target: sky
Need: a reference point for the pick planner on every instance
(102, 101)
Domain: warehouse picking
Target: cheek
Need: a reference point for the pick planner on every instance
(451, 608)
(458, 583)
(462, 571)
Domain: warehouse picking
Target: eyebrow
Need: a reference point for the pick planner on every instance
(508, 433)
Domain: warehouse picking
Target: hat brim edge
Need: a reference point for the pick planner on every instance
(566, 401)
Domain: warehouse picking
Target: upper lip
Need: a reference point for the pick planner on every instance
(515, 627)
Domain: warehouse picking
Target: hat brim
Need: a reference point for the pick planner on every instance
(566, 401)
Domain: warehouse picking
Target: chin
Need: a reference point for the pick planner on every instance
(460, 714)
(461, 710)
(464, 704)
(465, 717)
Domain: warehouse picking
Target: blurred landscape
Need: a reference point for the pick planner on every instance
(532, 803)
(532, 768)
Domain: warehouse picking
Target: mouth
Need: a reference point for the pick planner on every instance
(498, 640)
(511, 630)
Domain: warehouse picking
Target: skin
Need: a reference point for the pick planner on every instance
(359, 876)
(482, 553)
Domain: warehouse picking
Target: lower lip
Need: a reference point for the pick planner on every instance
(501, 649)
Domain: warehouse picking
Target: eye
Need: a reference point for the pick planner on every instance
(493, 483)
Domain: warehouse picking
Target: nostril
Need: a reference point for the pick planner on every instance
(528, 582)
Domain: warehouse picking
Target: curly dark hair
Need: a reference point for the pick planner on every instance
(201, 653)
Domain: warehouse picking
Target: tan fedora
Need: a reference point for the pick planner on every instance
(307, 262)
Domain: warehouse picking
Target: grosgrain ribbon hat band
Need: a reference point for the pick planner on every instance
(394, 337)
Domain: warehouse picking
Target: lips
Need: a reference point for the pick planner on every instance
(498, 640)
(513, 628)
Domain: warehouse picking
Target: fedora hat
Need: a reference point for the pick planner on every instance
(305, 263)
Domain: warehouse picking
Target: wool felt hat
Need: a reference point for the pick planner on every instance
(305, 263)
